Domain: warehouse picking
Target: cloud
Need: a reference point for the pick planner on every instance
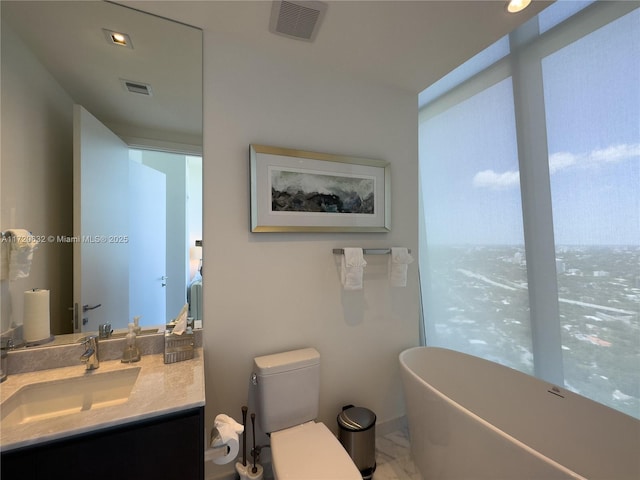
(496, 181)
(615, 153)
(561, 161)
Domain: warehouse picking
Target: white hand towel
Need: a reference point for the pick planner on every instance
(21, 248)
(352, 268)
(398, 266)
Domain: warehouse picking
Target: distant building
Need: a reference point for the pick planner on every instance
(600, 273)
(517, 258)
(560, 266)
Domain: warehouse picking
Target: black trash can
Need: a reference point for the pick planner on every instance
(357, 434)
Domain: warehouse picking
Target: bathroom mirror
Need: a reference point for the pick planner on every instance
(145, 87)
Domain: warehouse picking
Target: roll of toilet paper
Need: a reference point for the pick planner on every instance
(232, 446)
(35, 324)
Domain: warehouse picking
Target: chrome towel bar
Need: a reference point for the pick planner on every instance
(367, 251)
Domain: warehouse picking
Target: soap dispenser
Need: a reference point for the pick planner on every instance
(131, 352)
(136, 322)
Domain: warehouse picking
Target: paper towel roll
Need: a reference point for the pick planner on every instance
(35, 324)
(233, 445)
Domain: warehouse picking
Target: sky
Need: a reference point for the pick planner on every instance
(592, 108)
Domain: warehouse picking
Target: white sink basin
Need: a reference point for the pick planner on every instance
(93, 390)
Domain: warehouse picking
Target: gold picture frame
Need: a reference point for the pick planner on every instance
(301, 191)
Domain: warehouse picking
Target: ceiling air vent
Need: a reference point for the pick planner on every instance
(297, 19)
(137, 87)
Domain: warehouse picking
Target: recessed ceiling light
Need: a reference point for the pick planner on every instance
(515, 6)
(117, 38)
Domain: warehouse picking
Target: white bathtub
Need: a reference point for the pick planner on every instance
(474, 419)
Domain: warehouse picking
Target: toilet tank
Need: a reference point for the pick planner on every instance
(288, 387)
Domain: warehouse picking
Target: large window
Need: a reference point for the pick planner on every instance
(530, 201)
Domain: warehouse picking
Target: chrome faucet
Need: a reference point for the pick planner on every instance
(7, 344)
(90, 356)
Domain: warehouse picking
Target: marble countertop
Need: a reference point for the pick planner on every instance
(159, 389)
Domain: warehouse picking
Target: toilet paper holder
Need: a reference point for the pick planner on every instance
(214, 438)
(215, 449)
(214, 453)
(218, 452)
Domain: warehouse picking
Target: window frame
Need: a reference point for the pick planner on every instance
(528, 48)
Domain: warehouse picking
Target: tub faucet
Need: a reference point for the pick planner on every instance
(90, 356)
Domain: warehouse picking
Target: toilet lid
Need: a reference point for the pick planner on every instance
(310, 452)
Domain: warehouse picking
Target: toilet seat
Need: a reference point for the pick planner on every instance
(310, 452)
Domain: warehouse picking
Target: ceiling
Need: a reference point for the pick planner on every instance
(407, 44)
(402, 44)
(67, 38)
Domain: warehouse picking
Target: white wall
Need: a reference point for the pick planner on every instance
(36, 177)
(265, 293)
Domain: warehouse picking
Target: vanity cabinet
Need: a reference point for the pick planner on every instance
(165, 447)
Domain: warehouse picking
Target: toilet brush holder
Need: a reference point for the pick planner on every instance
(254, 476)
(246, 471)
(242, 470)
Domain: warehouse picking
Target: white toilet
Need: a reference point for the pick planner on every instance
(288, 387)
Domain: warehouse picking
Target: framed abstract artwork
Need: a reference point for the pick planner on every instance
(300, 191)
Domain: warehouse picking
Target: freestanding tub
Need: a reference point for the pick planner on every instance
(470, 418)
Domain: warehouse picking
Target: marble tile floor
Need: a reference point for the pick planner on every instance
(393, 457)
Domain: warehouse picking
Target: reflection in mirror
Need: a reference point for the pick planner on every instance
(148, 95)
